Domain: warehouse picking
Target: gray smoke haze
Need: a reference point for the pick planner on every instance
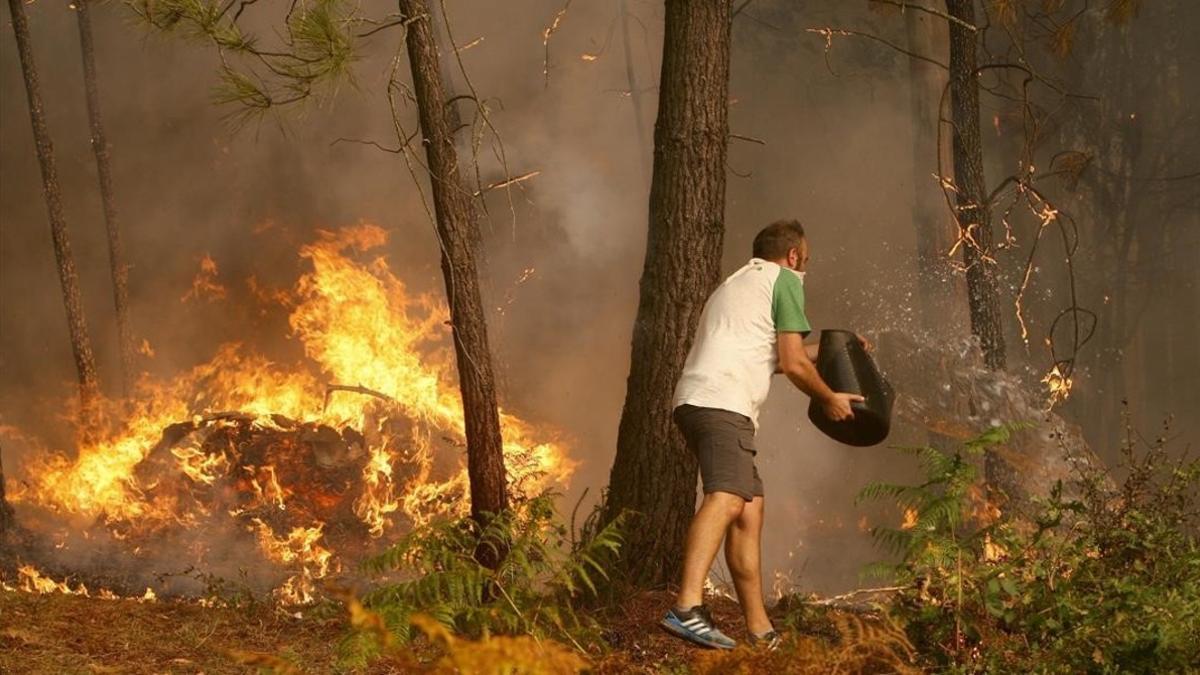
(836, 153)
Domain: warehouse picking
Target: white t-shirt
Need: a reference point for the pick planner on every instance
(734, 356)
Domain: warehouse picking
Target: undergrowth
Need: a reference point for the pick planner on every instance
(857, 645)
(1101, 582)
(536, 590)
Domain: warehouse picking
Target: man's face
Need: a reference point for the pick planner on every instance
(798, 256)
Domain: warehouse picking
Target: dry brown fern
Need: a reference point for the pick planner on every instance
(264, 662)
(867, 646)
(498, 654)
(864, 646)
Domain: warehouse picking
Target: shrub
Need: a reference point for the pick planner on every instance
(1103, 582)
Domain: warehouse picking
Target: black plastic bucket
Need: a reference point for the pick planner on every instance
(847, 367)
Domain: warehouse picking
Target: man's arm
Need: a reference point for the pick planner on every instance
(795, 362)
(810, 350)
(813, 350)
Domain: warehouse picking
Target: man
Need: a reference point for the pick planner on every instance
(752, 327)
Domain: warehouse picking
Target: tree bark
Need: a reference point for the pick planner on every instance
(85, 364)
(974, 217)
(927, 36)
(654, 474)
(458, 234)
(116, 250)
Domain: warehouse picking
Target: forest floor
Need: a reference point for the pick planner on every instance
(55, 633)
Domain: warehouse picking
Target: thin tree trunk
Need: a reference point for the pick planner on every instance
(1102, 131)
(974, 218)
(85, 364)
(116, 251)
(927, 36)
(458, 232)
(635, 94)
(6, 511)
(654, 474)
(1163, 273)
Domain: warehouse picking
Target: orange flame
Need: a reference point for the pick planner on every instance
(205, 284)
(33, 581)
(1058, 386)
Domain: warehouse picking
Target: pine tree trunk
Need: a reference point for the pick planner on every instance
(458, 232)
(974, 218)
(116, 251)
(85, 364)
(654, 474)
(927, 37)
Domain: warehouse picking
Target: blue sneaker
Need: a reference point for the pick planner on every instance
(696, 625)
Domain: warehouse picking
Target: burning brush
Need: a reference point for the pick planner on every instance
(242, 469)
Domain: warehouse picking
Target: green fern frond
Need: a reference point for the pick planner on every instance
(875, 491)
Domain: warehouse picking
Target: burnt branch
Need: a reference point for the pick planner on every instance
(355, 389)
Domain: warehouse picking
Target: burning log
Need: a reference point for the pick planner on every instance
(250, 467)
(357, 389)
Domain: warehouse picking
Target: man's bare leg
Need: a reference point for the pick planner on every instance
(743, 553)
(717, 512)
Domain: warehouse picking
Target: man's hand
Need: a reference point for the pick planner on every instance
(837, 407)
(865, 343)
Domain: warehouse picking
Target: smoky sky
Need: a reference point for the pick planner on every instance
(833, 147)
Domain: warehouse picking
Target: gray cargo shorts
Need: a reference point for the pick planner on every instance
(724, 444)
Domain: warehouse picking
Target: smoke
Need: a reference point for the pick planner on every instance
(836, 152)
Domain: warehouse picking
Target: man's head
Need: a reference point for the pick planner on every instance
(783, 242)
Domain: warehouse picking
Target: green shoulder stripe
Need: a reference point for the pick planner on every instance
(787, 303)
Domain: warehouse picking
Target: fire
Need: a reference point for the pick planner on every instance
(269, 446)
(205, 284)
(1058, 386)
(991, 550)
(984, 510)
(200, 466)
(910, 519)
(298, 548)
(379, 499)
(33, 581)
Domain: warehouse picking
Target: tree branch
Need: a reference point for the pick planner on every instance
(828, 34)
(903, 5)
(356, 389)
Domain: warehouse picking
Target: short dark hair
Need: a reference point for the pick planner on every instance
(776, 239)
